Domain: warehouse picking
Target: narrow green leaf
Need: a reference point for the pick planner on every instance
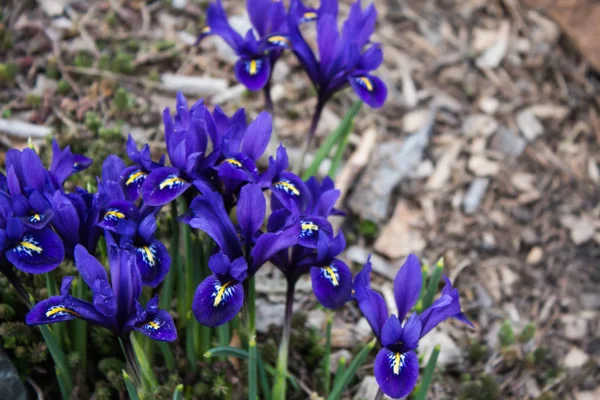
(178, 393)
(147, 372)
(190, 351)
(63, 374)
(327, 357)
(428, 375)
(433, 284)
(341, 368)
(167, 354)
(272, 371)
(335, 137)
(339, 152)
(133, 394)
(227, 351)
(264, 381)
(349, 373)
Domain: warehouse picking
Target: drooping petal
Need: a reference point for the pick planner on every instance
(119, 216)
(251, 209)
(159, 327)
(369, 89)
(311, 228)
(332, 284)
(371, 304)
(66, 221)
(133, 178)
(162, 186)
(253, 72)
(257, 136)
(289, 188)
(217, 302)
(407, 285)
(371, 59)
(396, 373)
(37, 252)
(153, 261)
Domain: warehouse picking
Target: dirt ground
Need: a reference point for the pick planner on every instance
(486, 153)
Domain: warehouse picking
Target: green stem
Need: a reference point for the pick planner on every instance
(326, 358)
(81, 329)
(167, 291)
(252, 351)
(132, 361)
(279, 386)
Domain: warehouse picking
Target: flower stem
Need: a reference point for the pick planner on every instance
(267, 95)
(132, 362)
(327, 357)
(311, 133)
(14, 280)
(279, 387)
(252, 351)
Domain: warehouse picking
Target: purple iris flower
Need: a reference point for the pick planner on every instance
(65, 163)
(242, 250)
(396, 365)
(186, 137)
(343, 59)
(132, 227)
(134, 176)
(257, 56)
(115, 303)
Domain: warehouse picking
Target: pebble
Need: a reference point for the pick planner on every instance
(12, 387)
(475, 194)
(535, 255)
(529, 125)
(482, 166)
(575, 326)
(576, 358)
(368, 389)
(450, 353)
(359, 255)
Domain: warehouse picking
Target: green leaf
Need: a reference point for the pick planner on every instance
(428, 375)
(327, 357)
(226, 351)
(349, 373)
(133, 394)
(147, 373)
(63, 374)
(337, 136)
(262, 375)
(167, 354)
(341, 368)
(178, 393)
(339, 152)
(432, 286)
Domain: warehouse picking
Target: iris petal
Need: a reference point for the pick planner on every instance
(159, 327)
(370, 89)
(37, 252)
(253, 72)
(154, 262)
(332, 284)
(163, 185)
(396, 373)
(133, 178)
(217, 302)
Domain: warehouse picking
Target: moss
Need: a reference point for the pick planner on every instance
(6, 312)
(506, 334)
(52, 71)
(122, 63)
(8, 72)
(63, 87)
(477, 352)
(111, 19)
(368, 229)
(219, 387)
(527, 333)
(123, 101)
(110, 364)
(83, 59)
(111, 134)
(116, 380)
(92, 121)
(7, 113)
(34, 101)
(164, 45)
(484, 388)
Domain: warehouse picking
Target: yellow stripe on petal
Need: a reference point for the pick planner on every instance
(31, 246)
(115, 214)
(233, 162)
(278, 39)
(288, 186)
(58, 310)
(309, 16)
(149, 255)
(253, 67)
(331, 273)
(170, 182)
(206, 29)
(134, 177)
(221, 293)
(367, 83)
(397, 362)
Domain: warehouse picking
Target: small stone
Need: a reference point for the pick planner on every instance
(194, 85)
(316, 319)
(529, 125)
(489, 105)
(54, 8)
(12, 387)
(535, 255)
(590, 301)
(359, 255)
(414, 120)
(582, 231)
(342, 336)
(482, 166)
(475, 194)
(508, 143)
(398, 238)
(576, 358)
(362, 329)
(479, 125)
(588, 395)
(450, 353)
(575, 327)
(368, 389)
(267, 314)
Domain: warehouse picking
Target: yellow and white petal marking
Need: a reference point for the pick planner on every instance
(37, 218)
(60, 311)
(287, 186)
(154, 325)
(148, 254)
(365, 82)
(234, 162)
(331, 274)
(253, 66)
(309, 228)
(206, 30)
(172, 182)
(308, 16)
(29, 246)
(396, 361)
(280, 41)
(113, 214)
(222, 292)
(136, 177)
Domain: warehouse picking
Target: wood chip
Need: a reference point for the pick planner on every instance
(398, 238)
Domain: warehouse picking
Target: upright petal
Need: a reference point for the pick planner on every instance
(217, 302)
(216, 20)
(211, 217)
(327, 39)
(258, 11)
(369, 89)
(35, 176)
(253, 72)
(332, 284)
(251, 210)
(371, 304)
(94, 274)
(396, 373)
(257, 136)
(407, 285)
(37, 252)
(269, 244)
(159, 326)
(162, 186)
